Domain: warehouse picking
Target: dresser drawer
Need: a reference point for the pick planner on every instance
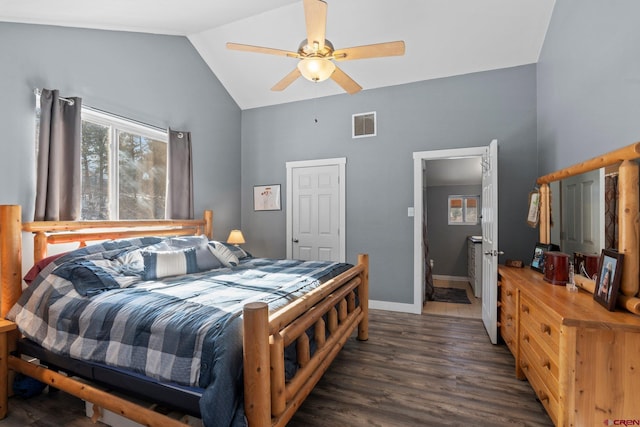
(542, 390)
(508, 311)
(508, 296)
(541, 323)
(508, 333)
(540, 359)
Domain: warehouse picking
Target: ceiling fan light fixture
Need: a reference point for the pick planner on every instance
(316, 69)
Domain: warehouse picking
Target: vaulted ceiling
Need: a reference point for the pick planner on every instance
(443, 37)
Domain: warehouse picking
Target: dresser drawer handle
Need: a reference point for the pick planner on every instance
(546, 329)
(546, 364)
(525, 308)
(525, 366)
(544, 396)
(509, 317)
(509, 293)
(525, 338)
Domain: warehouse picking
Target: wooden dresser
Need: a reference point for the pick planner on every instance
(582, 361)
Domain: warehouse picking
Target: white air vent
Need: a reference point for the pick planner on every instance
(363, 124)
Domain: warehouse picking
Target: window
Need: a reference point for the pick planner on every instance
(124, 168)
(463, 210)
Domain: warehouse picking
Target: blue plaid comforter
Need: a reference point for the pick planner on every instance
(182, 329)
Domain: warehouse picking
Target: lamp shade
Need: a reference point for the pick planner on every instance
(235, 237)
(316, 69)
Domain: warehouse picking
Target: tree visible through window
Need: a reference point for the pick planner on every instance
(124, 169)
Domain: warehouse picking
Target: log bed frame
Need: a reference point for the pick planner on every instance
(269, 400)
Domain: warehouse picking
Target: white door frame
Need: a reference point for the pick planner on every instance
(341, 162)
(418, 158)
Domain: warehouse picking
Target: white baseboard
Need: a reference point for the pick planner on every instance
(394, 306)
(451, 278)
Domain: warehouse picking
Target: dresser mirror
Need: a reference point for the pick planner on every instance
(583, 211)
(589, 230)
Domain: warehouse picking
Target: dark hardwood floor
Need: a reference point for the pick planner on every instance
(427, 370)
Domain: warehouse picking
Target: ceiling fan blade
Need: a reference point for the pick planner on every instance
(315, 14)
(260, 49)
(370, 51)
(346, 82)
(287, 80)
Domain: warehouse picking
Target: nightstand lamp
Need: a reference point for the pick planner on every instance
(235, 238)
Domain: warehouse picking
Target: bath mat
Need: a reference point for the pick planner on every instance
(453, 295)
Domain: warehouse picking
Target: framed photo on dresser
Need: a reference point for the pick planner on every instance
(537, 262)
(608, 280)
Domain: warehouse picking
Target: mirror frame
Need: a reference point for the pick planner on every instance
(628, 216)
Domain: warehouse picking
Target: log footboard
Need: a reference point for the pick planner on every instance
(269, 400)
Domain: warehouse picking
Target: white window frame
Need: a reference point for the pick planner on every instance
(116, 124)
(464, 200)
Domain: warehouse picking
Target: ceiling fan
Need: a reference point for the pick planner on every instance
(316, 53)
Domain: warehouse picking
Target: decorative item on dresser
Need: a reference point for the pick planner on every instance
(340, 297)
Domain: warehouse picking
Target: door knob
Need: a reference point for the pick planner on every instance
(294, 240)
(494, 253)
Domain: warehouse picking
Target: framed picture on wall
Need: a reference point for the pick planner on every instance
(608, 280)
(266, 197)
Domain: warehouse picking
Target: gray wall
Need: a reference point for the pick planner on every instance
(588, 81)
(448, 243)
(159, 80)
(456, 112)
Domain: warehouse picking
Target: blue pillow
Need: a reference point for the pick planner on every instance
(169, 263)
(87, 278)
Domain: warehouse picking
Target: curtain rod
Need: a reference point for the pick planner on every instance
(38, 92)
(106, 113)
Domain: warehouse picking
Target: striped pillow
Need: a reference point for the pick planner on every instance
(159, 264)
(224, 255)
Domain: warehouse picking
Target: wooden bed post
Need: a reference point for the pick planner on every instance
(208, 223)
(257, 365)
(10, 256)
(363, 292)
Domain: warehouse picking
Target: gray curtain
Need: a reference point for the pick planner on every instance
(58, 185)
(179, 176)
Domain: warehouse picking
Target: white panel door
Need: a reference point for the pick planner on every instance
(490, 241)
(316, 213)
